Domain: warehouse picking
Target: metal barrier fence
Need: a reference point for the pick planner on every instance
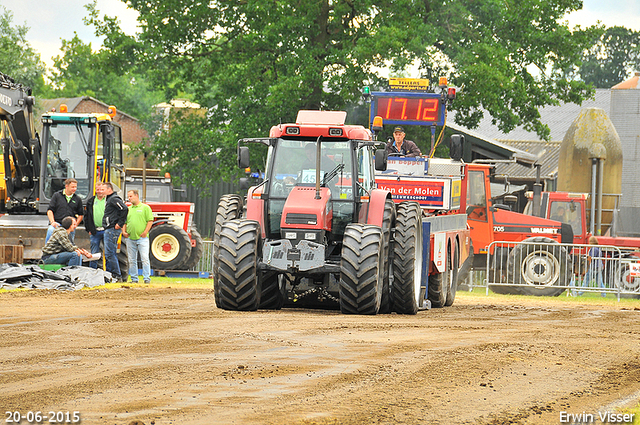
(542, 268)
(206, 261)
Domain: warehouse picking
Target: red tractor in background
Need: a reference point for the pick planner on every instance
(317, 232)
(175, 243)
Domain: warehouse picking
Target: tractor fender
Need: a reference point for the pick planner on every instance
(255, 207)
(375, 213)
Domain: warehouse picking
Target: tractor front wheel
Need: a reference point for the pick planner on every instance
(362, 265)
(170, 247)
(236, 279)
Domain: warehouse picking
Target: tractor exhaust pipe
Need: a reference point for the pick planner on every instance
(318, 168)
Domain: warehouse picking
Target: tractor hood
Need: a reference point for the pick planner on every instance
(508, 225)
(303, 211)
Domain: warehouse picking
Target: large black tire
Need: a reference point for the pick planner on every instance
(229, 208)
(271, 291)
(237, 274)
(196, 251)
(542, 267)
(453, 283)
(388, 222)
(361, 274)
(439, 285)
(406, 294)
(498, 272)
(123, 262)
(170, 247)
(625, 282)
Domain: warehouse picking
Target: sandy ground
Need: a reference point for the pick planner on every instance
(169, 356)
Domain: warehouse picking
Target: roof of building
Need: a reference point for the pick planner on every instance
(631, 83)
(45, 105)
(528, 144)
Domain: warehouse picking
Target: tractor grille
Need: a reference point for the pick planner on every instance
(294, 218)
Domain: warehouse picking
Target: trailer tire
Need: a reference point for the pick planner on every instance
(229, 208)
(388, 222)
(541, 267)
(453, 284)
(439, 285)
(196, 251)
(271, 291)
(237, 275)
(170, 247)
(406, 291)
(361, 269)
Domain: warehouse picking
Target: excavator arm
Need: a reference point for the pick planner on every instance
(21, 148)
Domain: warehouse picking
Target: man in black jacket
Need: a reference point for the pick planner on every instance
(65, 203)
(115, 216)
(401, 147)
(93, 214)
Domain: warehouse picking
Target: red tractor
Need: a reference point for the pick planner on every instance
(317, 232)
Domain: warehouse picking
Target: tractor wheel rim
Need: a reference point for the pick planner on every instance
(540, 269)
(165, 248)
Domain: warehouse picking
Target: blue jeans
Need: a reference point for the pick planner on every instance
(50, 229)
(591, 274)
(68, 258)
(133, 248)
(95, 241)
(110, 247)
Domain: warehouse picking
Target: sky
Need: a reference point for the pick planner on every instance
(52, 21)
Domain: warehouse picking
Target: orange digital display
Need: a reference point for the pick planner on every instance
(422, 109)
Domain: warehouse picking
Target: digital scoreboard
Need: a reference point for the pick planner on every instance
(408, 108)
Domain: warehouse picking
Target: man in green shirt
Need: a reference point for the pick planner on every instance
(136, 229)
(94, 212)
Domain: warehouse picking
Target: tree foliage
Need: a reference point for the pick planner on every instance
(254, 63)
(613, 57)
(80, 71)
(18, 59)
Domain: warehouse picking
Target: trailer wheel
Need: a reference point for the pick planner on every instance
(540, 266)
(361, 269)
(196, 251)
(439, 284)
(453, 283)
(170, 247)
(271, 291)
(229, 208)
(407, 259)
(237, 274)
(388, 222)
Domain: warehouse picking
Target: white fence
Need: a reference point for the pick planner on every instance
(541, 268)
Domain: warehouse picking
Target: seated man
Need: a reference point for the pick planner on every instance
(60, 250)
(401, 147)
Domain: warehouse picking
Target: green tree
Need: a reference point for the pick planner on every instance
(254, 63)
(614, 56)
(18, 59)
(80, 71)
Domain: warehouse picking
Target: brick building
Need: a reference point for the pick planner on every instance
(132, 131)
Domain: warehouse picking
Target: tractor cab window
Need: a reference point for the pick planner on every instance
(567, 212)
(476, 197)
(366, 177)
(69, 154)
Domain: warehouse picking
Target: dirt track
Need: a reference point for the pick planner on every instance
(168, 356)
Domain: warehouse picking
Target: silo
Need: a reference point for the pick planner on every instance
(625, 115)
(591, 159)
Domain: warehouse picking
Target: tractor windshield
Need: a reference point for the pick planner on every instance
(294, 164)
(69, 154)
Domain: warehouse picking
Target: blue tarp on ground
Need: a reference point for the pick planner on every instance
(70, 278)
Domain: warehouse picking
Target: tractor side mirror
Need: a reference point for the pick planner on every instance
(244, 183)
(243, 157)
(456, 148)
(381, 160)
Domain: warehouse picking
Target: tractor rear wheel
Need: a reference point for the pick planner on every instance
(406, 294)
(237, 274)
(453, 283)
(542, 265)
(170, 247)
(196, 251)
(388, 222)
(361, 267)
